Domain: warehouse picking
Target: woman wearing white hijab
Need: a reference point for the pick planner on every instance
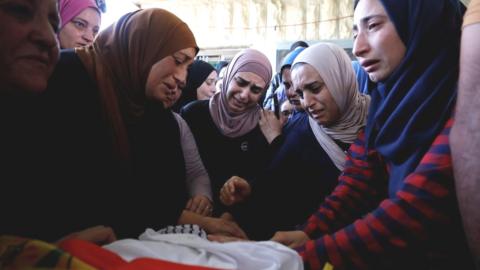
(226, 128)
(311, 148)
(340, 85)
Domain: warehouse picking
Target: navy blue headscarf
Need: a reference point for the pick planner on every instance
(410, 108)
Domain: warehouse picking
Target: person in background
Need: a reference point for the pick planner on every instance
(200, 84)
(80, 22)
(465, 136)
(309, 151)
(221, 68)
(277, 78)
(226, 127)
(286, 111)
(290, 92)
(284, 90)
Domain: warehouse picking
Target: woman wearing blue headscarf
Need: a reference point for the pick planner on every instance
(394, 206)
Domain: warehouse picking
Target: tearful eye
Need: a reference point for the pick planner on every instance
(299, 93)
(210, 81)
(287, 112)
(256, 90)
(372, 26)
(241, 82)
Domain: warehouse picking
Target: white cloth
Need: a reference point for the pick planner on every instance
(194, 250)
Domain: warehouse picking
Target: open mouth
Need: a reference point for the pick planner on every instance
(369, 65)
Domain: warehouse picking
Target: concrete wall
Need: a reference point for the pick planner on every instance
(228, 25)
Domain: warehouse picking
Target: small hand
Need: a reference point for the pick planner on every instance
(291, 239)
(270, 125)
(200, 204)
(235, 190)
(100, 235)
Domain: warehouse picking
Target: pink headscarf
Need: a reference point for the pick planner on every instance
(237, 124)
(68, 9)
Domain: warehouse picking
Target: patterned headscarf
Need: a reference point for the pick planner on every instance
(237, 124)
(120, 60)
(334, 66)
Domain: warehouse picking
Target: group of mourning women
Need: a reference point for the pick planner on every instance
(89, 137)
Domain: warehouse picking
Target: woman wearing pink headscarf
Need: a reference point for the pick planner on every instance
(226, 127)
(80, 22)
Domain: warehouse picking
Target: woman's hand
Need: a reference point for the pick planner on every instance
(100, 235)
(200, 204)
(223, 238)
(270, 125)
(291, 239)
(235, 190)
(223, 227)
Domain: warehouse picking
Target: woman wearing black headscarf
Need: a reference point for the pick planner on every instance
(200, 84)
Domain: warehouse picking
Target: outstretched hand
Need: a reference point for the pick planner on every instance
(100, 235)
(235, 190)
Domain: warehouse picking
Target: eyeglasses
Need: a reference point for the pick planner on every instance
(101, 5)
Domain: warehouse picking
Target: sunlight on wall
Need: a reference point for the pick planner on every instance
(115, 10)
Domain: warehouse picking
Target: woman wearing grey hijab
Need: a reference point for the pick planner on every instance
(311, 149)
(339, 87)
(226, 128)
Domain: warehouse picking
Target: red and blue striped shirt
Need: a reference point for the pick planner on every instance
(360, 227)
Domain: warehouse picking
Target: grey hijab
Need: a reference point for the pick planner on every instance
(335, 68)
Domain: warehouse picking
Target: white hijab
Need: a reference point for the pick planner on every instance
(335, 68)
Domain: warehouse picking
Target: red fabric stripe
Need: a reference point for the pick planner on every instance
(399, 215)
(364, 231)
(311, 254)
(331, 248)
